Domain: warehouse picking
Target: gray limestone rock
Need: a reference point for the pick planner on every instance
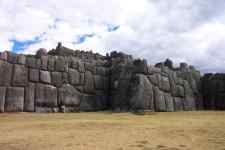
(46, 96)
(45, 76)
(99, 82)
(2, 98)
(74, 77)
(5, 73)
(34, 75)
(44, 62)
(89, 82)
(178, 104)
(141, 93)
(169, 102)
(60, 64)
(14, 101)
(20, 75)
(51, 63)
(164, 84)
(69, 96)
(29, 103)
(160, 104)
(56, 79)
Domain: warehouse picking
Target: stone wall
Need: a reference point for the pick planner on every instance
(51, 83)
(213, 91)
(139, 86)
(64, 80)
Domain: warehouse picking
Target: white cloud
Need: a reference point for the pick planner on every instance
(192, 31)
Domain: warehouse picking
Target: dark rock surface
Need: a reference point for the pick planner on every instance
(14, 101)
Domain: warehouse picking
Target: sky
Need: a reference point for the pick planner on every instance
(191, 31)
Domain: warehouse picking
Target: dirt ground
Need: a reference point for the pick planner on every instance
(113, 131)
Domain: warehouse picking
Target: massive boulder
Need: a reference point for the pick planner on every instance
(20, 75)
(14, 101)
(2, 99)
(69, 97)
(89, 82)
(141, 93)
(29, 101)
(5, 73)
(46, 97)
(160, 103)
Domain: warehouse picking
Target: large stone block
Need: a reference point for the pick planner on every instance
(51, 63)
(164, 84)
(74, 63)
(29, 102)
(154, 79)
(179, 91)
(20, 75)
(88, 103)
(5, 73)
(46, 96)
(56, 79)
(2, 98)
(74, 77)
(101, 71)
(44, 62)
(45, 76)
(169, 102)
(69, 96)
(99, 82)
(60, 64)
(160, 104)
(141, 93)
(34, 75)
(65, 77)
(89, 82)
(189, 100)
(81, 67)
(31, 62)
(82, 78)
(90, 67)
(14, 101)
(178, 104)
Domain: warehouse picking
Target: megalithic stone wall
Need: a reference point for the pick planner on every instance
(138, 86)
(52, 83)
(64, 80)
(213, 91)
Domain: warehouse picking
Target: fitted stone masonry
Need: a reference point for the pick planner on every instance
(64, 80)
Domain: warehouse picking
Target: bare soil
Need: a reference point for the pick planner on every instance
(113, 131)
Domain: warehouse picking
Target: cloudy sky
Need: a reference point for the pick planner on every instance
(183, 30)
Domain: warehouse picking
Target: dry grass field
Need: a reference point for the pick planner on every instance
(113, 131)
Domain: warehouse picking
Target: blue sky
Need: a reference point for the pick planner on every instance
(190, 31)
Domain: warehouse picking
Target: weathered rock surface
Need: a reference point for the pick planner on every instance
(69, 96)
(68, 81)
(141, 93)
(20, 75)
(29, 101)
(5, 73)
(46, 96)
(2, 99)
(14, 101)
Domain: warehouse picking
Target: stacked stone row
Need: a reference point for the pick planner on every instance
(139, 86)
(50, 83)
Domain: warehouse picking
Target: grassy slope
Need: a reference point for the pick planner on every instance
(117, 131)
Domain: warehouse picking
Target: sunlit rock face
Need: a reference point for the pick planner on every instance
(64, 80)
